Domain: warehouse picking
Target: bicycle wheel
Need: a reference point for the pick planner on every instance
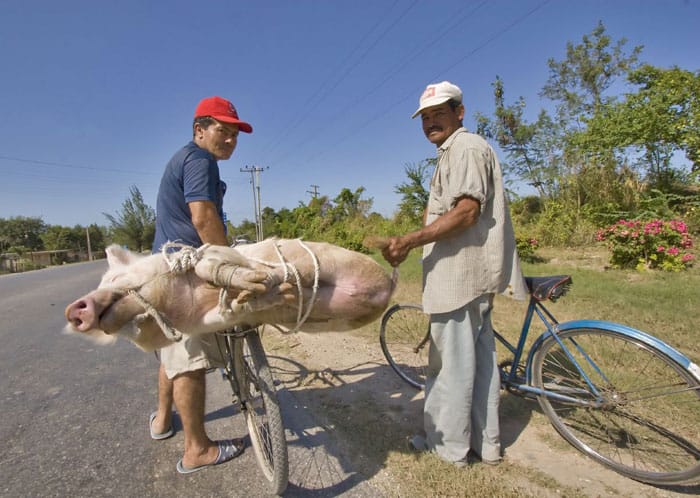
(404, 336)
(262, 412)
(644, 422)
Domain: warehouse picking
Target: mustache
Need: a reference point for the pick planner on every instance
(433, 128)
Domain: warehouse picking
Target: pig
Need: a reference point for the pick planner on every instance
(152, 300)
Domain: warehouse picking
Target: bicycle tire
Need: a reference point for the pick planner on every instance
(404, 336)
(262, 411)
(644, 424)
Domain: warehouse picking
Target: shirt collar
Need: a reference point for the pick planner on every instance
(446, 144)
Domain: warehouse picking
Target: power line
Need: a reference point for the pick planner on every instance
(312, 99)
(498, 34)
(316, 102)
(453, 24)
(69, 165)
(413, 92)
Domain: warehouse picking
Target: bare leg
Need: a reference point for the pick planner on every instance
(188, 393)
(163, 419)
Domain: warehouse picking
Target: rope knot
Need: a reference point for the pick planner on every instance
(183, 260)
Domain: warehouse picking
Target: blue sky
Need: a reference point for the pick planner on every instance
(96, 96)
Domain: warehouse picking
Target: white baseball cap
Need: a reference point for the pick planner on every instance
(438, 93)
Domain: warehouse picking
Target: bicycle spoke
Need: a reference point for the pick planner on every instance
(646, 416)
(404, 341)
(262, 412)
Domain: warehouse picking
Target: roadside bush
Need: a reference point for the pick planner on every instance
(558, 226)
(526, 248)
(655, 244)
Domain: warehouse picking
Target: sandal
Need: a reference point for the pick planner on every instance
(162, 435)
(228, 450)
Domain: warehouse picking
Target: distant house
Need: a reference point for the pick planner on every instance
(14, 262)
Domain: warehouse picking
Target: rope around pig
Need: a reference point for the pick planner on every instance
(170, 332)
(291, 270)
(187, 258)
(180, 262)
(183, 260)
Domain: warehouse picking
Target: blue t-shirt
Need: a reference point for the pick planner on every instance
(191, 175)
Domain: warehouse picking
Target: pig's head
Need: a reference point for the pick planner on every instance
(110, 310)
(135, 283)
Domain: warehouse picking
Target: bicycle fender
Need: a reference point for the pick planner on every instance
(647, 339)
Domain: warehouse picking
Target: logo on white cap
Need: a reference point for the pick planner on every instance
(438, 93)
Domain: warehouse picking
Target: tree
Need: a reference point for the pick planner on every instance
(349, 204)
(414, 192)
(660, 118)
(578, 188)
(21, 232)
(578, 83)
(532, 149)
(58, 237)
(135, 225)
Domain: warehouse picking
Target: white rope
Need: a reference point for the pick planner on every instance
(223, 308)
(169, 331)
(290, 268)
(187, 257)
(317, 272)
(183, 260)
(178, 262)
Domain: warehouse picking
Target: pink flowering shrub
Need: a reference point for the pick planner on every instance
(526, 248)
(655, 244)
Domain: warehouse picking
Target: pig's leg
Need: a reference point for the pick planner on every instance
(345, 302)
(231, 276)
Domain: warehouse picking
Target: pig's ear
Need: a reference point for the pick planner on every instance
(118, 256)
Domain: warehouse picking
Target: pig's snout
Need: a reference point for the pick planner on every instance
(82, 314)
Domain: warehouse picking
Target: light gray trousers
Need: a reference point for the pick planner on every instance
(462, 388)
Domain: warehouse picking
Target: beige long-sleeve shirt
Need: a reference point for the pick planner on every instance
(481, 259)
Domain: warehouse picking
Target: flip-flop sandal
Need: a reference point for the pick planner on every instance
(162, 435)
(228, 450)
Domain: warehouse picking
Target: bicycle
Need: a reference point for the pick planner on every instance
(619, 395)
(248, 372)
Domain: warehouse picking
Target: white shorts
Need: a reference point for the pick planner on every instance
(192, 353)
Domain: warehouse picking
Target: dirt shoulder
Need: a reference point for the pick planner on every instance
(345, 381)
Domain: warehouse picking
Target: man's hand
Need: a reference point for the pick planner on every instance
(396, 250)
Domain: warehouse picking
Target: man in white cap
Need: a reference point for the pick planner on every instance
(469, 254)
(189, 211)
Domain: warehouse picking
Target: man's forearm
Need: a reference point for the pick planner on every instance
(212, 232)
(206, 221)
(461, 217)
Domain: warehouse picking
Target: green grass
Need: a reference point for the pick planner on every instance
(662, 304)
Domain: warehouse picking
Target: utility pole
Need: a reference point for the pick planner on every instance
(89, 250)
(314, 192)
(255, 182)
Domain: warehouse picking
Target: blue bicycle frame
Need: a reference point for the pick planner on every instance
(512, 380)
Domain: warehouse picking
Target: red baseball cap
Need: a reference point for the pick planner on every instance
(221, 110)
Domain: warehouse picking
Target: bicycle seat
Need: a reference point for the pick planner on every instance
(552, 288)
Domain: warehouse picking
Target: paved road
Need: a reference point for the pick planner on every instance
(73, 415)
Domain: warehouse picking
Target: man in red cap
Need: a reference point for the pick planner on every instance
(189, 211)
